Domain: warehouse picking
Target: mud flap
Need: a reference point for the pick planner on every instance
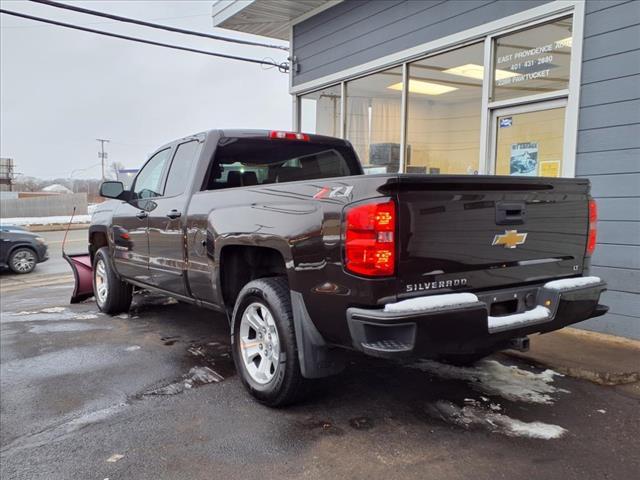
(83, 275)
(316, 358)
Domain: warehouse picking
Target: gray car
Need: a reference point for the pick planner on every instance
(20, 249)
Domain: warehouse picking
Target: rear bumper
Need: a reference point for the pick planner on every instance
(448, 328)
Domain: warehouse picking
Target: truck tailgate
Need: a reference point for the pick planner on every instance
(481, 233)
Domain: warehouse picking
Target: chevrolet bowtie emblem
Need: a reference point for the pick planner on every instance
(510, 238)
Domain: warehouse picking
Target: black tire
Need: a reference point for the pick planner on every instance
(23, 260)
(118, 293)
(287, 384)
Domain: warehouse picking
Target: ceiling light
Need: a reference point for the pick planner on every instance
(425, 88)
(471, 70)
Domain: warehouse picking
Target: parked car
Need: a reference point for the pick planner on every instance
(21, 250)
(308, 257)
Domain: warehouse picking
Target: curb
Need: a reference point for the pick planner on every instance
(597, 357)
(601, 378)
(57, 227)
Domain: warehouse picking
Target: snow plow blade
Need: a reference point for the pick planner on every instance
(83, 275)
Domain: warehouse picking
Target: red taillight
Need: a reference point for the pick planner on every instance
(593, 219)
(279, 135)
(370, 247)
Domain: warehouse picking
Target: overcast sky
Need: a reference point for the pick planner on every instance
(61, 89)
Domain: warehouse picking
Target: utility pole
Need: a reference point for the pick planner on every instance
(102, 155)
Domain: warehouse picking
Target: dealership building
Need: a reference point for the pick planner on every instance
(497, 87)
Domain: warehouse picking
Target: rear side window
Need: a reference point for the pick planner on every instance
(183, 160)
(247, 162)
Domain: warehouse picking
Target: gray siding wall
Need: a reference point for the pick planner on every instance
(609, 154)
(358, 31)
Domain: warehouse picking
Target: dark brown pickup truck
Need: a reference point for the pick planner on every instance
(309, 257)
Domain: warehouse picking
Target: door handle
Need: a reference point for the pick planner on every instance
(173, 214)
(142, 214)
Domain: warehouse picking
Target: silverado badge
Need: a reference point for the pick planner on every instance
(510, 239)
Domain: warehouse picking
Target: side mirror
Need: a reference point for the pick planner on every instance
(112, 189)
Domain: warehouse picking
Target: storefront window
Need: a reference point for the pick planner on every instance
(530, 143)
(444, 108)
(374, 119)
(533, 61)
(320, 112)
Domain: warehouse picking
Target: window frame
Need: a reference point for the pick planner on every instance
(487, 33)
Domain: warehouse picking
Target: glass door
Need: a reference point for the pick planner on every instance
(528, 140)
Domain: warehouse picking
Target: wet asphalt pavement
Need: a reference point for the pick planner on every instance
(153, 395)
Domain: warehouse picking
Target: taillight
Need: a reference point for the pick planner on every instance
(370, 240)
(593, 219)
(280, 135)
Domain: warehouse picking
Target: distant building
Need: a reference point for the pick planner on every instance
(126, 176)
(57, 188)
(6, 174)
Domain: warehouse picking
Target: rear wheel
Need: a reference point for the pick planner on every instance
(264, 344)
(22, 260)
(112, 294)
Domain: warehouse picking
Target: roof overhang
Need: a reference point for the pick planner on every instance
(269, 18)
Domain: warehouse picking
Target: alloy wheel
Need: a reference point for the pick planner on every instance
(259, 343)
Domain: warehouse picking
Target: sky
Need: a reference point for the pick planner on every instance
(61, 89)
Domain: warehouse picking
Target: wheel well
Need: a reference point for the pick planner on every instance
(240, 264)
(17, 247)
(97, 240)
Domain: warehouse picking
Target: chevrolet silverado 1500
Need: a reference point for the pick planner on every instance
(308, 257)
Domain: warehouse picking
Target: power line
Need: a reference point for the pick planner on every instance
(283, 67)
(154, 25)
(109, 23)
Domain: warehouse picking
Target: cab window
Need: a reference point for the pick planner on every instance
(179, 172)
(148, 183)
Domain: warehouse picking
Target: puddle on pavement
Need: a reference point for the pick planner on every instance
(213, 364)
(67, 327)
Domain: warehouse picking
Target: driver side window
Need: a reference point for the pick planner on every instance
(149, 180)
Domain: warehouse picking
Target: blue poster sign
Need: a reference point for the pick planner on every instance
(506, 122)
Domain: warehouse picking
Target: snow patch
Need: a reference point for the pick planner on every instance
(86, 316)
(492, 378)
(431, 303)
(35, 312)
(20, 221)
(53, 310)
(474, 416)
(568, 283)
(508, 322)
(133, 348)
(115, 457)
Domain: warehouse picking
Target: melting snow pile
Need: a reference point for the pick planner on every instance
(431, 303)
(493, 378)
(475, 416)
(197, 376)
